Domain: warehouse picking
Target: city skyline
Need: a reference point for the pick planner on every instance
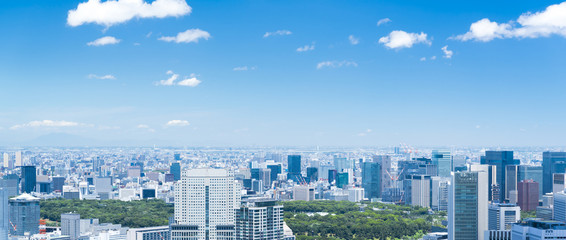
(282, 73)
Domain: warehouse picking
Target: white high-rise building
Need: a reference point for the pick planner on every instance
(7, 163)
(559, 213)
(19, 162)
(439, 193)
(71, 225)
(206, 201)
(468, 205)
(502, 216)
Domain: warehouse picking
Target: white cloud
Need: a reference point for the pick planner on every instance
(46, 123)
(244, 68)
(277, 33)
(108, 40)
(551, 21)
(335, 64)
(144, 126)
(365, 133)
(190, 81)
(401, 39)
(113, 12)
(306, 48)
(423, 59)
(191, 35)
(353, 40)
(383, 21)
(107, 76)
(177, 123)
(447, 53)
(433, 58)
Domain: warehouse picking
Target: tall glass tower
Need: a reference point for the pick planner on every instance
(468, 206)
(552, 162)
(499, 159)
(443, 160)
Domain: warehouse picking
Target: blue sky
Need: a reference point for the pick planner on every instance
(284, 72)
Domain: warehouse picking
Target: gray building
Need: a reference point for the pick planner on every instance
(149, 233)
(4, 213)
(24, 215)
(71, 225)
(259, 218)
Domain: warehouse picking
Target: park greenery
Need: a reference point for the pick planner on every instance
(133, 214)
(346, 220)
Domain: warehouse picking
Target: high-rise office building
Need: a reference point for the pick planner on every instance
(558, 182)
(443, 160)
(259, 219)
(528, 195)
(468, 206)
(499, 159)
(385, 162)
(332, 174)
(71, 225)
(303, 193)
(312, 174)
(275, 170)
(206, 201)
(511, 179)
(439, 193)
(559, 207)
(4, 213)
(8, 164)
(28, 179)
(175, 169)
(417, 190)
(24, 215)
(538, 229)
(534, 173)
(342, 179)
(294, 168)
(371, 179)
(502, 216)
(342, 163)
(552, 162)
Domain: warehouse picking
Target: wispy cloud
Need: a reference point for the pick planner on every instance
(177, 123)
(108, 40)
(244, 68)
(335, 64)
(401, 39)
(277, 33)
(190, 81)
(191, 35)
(383, 21)
(46, 123)
(306, 48)
(146, 127)
(353, 40)
(109, 13)
(107, 76)
(447, 53)
(364, 133)
(548, 22)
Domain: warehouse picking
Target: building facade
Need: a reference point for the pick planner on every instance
(468, 206)
(24, 215)
(259, 219)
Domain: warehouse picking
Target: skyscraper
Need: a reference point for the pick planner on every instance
(533, 173)
(294, 168)
(206, 201)
(439, 193)
(312, 174)
(499, 159)
(468, 206)
(28, 179)
(7, 161)
(443, 160)
(175, 169)
(4, 213)
(275, 170)
(371, 179)
(342, 179)
(418, 192)
(19, 160)
(24, 215)
(385, 162)
(259, 219)
(511, 179)
(71, 225)
(552, 162)
(528, 195)
(502, 216)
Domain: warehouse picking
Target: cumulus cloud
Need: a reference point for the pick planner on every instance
(353, 40)
(107, 76)
(423, 59)
(551, 21)
(177, 123)
(146, 127)
(335, 64)
(447, 53)
(190, 81)
(108, 40)
(383, 21)
(306, 48)
(113, 12)
(45, 123)
(401, 39)
(191, 35)
(277, 33)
